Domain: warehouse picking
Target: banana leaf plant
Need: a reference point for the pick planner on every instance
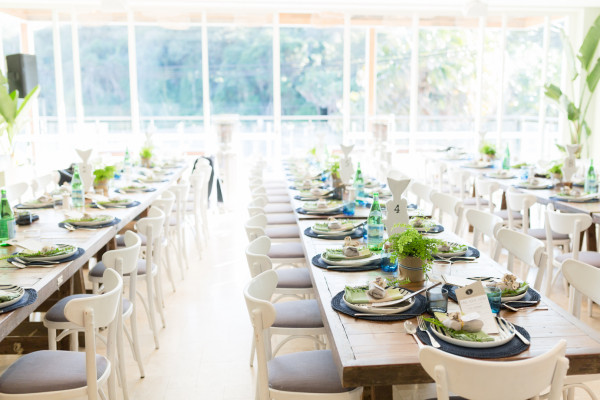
(575, 105)
(13, 114)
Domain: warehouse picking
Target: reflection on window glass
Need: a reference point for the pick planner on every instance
(241, 70)
(447, 65)
(169, 64)
(555, 55)
(311, 71)
(492, 62)
(11, 38)
(44, 52)
(523, 78)
(66, 45)
(104, 70)
(358, 71)
(393, 74)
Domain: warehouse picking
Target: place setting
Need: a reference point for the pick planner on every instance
(135, 189)
(352, 256)
(307, 184)
(455, 252)
(35, 253)
(573, 195)
(321, 207)
(425, 225)
(13, 297)
(501, 174)
(535, 184)
(314, 194)
(103, 202)
(336, 229)
(87, 221)
(44, 201)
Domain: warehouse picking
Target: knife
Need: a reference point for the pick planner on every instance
(389, 303)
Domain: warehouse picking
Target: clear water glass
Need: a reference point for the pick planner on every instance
(437, 300)
(494, 295)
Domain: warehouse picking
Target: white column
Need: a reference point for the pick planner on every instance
(76, 68)
(346, 80)
(277, 86)
(541, 139)
(58, 75)
(478, 125)
(414, 84)
(500, 107)
(205, 80)
(133, 78)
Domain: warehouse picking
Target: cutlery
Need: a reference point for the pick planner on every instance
(382, 315)
(522, 301)
(18, 265)
(100, 206)
(509, 307)
(21, 260)
(411, 329)
(73, 228)
(511, 329)
(423, 328)
(413, 294)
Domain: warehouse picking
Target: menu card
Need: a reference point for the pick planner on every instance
(472, 298)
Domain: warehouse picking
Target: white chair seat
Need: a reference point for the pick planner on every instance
(293, 278)
(286, 250)
(305, 372)
(276, 192)
(278, 208)
(280, 219)
(99, 269)
(298, 314)
(278, 199)
(541, 234)
(283, 232)
(472, 201)
(504, 214)
(53, 371)
(120, 239)
(588, 257)
(56, 313)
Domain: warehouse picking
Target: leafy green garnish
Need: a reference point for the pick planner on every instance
(461, 335)
(522, 288)
(54, 252)
(88, 219)
(411, 243)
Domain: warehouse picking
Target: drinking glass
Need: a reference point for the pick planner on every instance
(494, 295)
(57, 202)
(439, 268)
(437, 300)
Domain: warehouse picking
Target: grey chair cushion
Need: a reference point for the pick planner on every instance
(99, 268)
(541, 234)
(293, 278)
(278, 208)
(56, 313)
(48, 371)
(504, 214)
(588, 257)
(282, 232)
(286, 250)
(278, 199)
(305, 372)
(451, 398)
(280, 219)
(120, 239)
(472, 201)
(297, 314)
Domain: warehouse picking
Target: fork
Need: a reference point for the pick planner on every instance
(423, 328)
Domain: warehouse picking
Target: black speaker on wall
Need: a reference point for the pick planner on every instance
(21, 73)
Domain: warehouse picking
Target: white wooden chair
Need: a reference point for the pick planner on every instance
(487, 224)
(166, 202)
(584, 280)
(485, 189)
(293, 282)
(279, 218)
(45, 183)
(15, 192)
(460, 184)
(529, 250)
(53, 375)
(261, 192)
(199, 181)
(450, 205)
(296, 376)
(177, 222)
(421, 192)
(496, 380)
(268, 208)
(256, 226)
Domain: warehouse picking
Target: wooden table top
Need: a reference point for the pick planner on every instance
(370, 353)
(46, 281)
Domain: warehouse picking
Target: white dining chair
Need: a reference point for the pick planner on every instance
(280, 218)
(256, 226)
(177, 222)
(199, 181)
(460, 184)
(269, 208)
(584, 279)
(496, 380)
(169, 241)
(16, 192)
(295, 376)
(448, 205)
(486, 224)
(527, 249)
(421, 192)
(45, 183)
(485, 190)
(52, 374)
(261, 192)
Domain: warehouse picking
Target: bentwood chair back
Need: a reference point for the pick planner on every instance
(15, 192)
(496, 380)
(51, 374)
(301, 375)
(199, 181)
(487, 224)
(422, 193)
(485, 190)
(256, 226)
(517, 202)
(531, 251)
(450, 205)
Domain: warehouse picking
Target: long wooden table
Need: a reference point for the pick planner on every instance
(46, 281)
(378, 355)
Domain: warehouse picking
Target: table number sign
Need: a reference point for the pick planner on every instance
(397, 212)
(85, 169)
(346, 167)
(472, 298)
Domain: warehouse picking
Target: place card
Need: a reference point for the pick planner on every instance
(472, 299)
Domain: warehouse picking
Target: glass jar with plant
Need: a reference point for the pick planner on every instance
(555, 172)
(102, 176)
(488, 151)
(146, 156)
(413, 252)
(336, 180)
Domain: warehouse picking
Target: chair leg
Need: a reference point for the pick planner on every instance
(160, 304)
(590, 304)
(121, 359)
(51, 339)
(151, 311)
(74, 341)
(252, 351)
(135, 342)
(167, 263)
(184, 248)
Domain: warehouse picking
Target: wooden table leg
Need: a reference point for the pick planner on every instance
(591, 238)
(377, 393)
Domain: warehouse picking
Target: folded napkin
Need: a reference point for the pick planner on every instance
(340, 254)
(8, 296)
(360, 295)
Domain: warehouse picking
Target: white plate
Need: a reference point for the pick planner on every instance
(107, 219)
(50, 258)
(498, 175)
(514, 298)
(358, 262)
(507, 332)
(577, 199)
(454, 254)
(478, 165)
(333, 233)
(115, 204)
(12, 288)
(134, 189)
(311, 207)
(541, 184)
(151, 180)
(35, 204)
(365, 308)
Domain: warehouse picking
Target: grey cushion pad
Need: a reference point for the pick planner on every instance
(99, 268)
(56, 313)
(293, 278)
(305, 372)
(297, 314)
(588, 257)
(286, 250)
(280, 218)
(48, 371)
(282, 232)
(541, 234)
(120, 239)
(278, 208)
(504, 214)
(278, 199)
(471, 201)
(277, 192)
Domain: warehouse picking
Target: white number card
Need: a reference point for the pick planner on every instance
(472, 298)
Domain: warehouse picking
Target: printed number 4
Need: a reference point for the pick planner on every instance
(397, 208)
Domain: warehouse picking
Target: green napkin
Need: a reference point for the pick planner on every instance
(359, 295)
(7, 296)
(338, 254)
(460, 335)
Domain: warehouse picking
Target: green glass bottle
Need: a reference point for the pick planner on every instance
(375, 225)
(591, 181)
(506, 160)
(77, 190)
(7, 219)
(359, 182)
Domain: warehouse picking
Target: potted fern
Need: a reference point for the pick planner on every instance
(413, 252)
(336, 180)
(102, 176)
(146, 156)
(488, 151)
(555, 172)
